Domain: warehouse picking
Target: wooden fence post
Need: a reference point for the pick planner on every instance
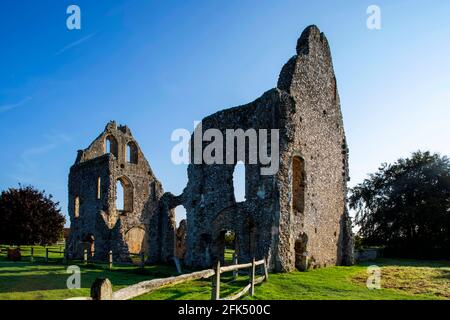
(85, 256)
(266, 271)
(235, 261)
(32, 255)
(252, 279)
(110, 259)
(215, 294)
(46, 255)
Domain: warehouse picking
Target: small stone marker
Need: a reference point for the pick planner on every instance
(101, 289)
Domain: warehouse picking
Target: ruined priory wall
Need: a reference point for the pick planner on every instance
(318, 138)
(209, 196)
(125, 231)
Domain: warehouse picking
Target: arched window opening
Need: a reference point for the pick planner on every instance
(111, 145)
(181, 232)
(89, 244)
(180, 214)
(298, 185)
(119, 196)
(132, 153)
(124, 195)
(239, 182)
(99, 188)
(77, 207)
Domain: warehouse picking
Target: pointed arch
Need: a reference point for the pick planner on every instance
(239, 182)
(132, 152)
(111, 145)
(124, 201)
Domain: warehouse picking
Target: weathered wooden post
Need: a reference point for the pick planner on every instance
(215, 294)
(85, 256)
(266, 271)
(110, 259)
(32, 255)
(46, 255)
(235, 261)
(252, 278)
(101, 289)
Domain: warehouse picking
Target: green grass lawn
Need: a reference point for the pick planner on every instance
(55, 252)
(39, 281)
(400, 279)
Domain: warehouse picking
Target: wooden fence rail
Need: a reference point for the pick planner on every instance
(102, 288)
(43, 253)
(155, 284)
(32, 252)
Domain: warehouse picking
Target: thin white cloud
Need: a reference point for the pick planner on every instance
(28, 165)
(8, 107)
(76, 43)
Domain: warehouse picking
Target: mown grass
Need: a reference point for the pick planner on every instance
(350, 283)
(39, 281)
(400, 279)
(55, 252)
(335, 283)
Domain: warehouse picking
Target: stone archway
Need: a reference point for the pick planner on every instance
(301, 254)
(89, 244)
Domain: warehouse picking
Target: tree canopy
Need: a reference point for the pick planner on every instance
(29, 216)
(406, 205)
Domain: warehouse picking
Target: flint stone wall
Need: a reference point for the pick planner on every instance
(305, 108)
(100, 227)
(296, 217)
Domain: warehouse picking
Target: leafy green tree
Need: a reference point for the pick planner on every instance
(230, 237)
(406, 205)
(29, 216)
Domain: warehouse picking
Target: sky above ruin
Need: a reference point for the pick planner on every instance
(157, 66)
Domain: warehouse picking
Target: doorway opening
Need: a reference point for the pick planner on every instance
(89, 244)
(301, 255)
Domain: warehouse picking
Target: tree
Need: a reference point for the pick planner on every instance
(230, 238)
(406, 205)
(29, 216)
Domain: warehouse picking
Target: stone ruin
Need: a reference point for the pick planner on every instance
(297, 217)
(114, 161)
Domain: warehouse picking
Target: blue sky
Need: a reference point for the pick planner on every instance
(160, 65)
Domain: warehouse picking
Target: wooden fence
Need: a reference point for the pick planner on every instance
(87, 255)
(102, 288)
(32, 252)
(87, 258)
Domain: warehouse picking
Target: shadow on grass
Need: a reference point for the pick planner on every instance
(25, 277)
